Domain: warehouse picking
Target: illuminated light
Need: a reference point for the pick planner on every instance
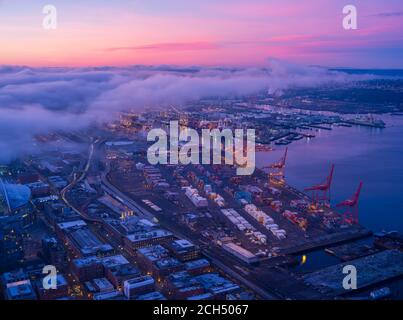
(303, 260)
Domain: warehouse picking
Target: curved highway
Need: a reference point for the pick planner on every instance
(76, 180)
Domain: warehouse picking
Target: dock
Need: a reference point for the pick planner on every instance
(371, 270)
(351, 251)
(329, 239)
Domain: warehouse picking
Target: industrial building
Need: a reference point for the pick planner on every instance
(16, 285)
(137, 286)
(152, 296)
(240, 253)
(147, 238)
(61, 290)
(81, 240)
(88, 268)
(157, 261)
(198, 266)
(183, 250)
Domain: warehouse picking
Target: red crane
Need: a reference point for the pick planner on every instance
(321, 192)
(277, 170)
(351, 205)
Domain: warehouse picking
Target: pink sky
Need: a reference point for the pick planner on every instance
(195, 32)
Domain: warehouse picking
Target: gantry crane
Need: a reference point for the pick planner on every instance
(276, 173)
(321, 192)
(351, 207)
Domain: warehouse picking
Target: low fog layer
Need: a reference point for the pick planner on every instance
(41, 100)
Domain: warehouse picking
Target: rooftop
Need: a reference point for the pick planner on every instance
(20, 290)
(88, 243)
(113, 295)
(154, 253)
(199, 263)
(125, 270)
(139, 281)
(165, 263)
(130, 225)
(216, 284)
(153, 234)
(202, 296)
(70, 224)
(87, 261)
(14, 195)
(103, 284)
(14, 276)
(114, 261)
(182, 245)
(151, 296)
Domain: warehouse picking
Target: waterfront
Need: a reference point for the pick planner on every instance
(359, 154)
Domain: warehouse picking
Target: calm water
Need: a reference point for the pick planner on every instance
(373, 156)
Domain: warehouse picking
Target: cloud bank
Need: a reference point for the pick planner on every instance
(41, 100)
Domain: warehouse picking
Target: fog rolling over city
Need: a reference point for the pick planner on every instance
(41, 100)
(211, 157)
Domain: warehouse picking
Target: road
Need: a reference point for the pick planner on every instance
(235, 274)
(226, 265)
(76, 180)
(123, 198)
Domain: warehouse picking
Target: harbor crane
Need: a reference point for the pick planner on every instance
(351, 207)
(276, 173)
(321, 192)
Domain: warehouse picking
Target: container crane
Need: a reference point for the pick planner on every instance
(276, 173)
(321, 192)
(351, 207)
